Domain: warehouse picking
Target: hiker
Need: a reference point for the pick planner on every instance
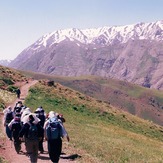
(8, 116)
(32, 131)
(41, 115)
(54, 131)
(15, 126)
(19, 106)
(18, 92)
(25, 112)
(60, 117)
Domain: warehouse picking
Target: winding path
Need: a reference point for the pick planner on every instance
(7, 150)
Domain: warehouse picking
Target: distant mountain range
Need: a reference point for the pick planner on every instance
(133, 53)
(5, 62)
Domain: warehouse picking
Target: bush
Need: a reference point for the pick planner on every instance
(2, 103)
(12, 88)
(8, 81)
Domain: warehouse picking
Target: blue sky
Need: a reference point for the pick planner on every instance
(22, 22)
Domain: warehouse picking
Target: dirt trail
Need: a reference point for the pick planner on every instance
(7, 150)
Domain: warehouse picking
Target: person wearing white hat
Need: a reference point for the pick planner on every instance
(54, 138)
(32, 131)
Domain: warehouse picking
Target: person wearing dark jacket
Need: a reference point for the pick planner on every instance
(15, 126)
(8, 116)
(18, 92)
(32, 132)
(41, 115)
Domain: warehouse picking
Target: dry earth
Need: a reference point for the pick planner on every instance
(7, 150)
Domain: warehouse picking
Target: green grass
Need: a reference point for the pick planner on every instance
(6, 97)
(98, 132)
(2, 137)
(8, 77)
(2, 160)
(7, 81)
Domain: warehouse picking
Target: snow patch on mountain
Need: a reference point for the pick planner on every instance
(103, 36)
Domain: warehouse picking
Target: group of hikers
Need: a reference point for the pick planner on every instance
(33, 128)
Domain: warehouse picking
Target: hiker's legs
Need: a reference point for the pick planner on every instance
(35, 151)
(18, 95)
(41, 149)
(8, 132)
(17, 145)
(54, 149)
(32, 149)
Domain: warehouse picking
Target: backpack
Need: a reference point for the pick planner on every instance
(42, 118)
(60, 116)
(53, 129)
(17, 109)
(32, 132)
(9, 117)
(16, 127)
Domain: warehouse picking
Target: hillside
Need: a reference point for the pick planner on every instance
(10, 76)
(99, 132)
(140, 101)
(10, 80)
(7, 151)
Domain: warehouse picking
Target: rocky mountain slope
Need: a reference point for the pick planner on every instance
(132, 52)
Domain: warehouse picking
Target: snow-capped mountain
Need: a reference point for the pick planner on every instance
(103, 36)
(116, 51)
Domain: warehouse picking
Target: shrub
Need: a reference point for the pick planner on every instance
(2, 103)
(12, 88)
(8, 81)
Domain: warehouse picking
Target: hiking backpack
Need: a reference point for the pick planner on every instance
(9, 117)
(16, 127)
(42, 118)
(17, 109)
(32, 132)
(60, 116)
(53, 129)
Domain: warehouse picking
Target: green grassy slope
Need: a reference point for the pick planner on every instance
(143, 102)
(98, 131)
(8, 78)
(140, 101)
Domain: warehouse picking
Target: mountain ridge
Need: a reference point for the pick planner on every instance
(110, 53)
(142, 30)
(5, 62)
